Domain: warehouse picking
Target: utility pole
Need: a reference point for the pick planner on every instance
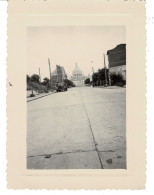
(49, 71)
(93, 70)
(57, 72)
(76, 65)
(109, 74)
(40, 79)
(40, 76)
(105, 71)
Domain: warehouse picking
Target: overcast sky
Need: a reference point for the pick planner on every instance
(67, 45)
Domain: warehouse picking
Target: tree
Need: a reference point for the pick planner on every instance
(87, 81)
(95, 77)
(117, 78)
(101, 74)
(46, 81)
(35, 78)
(99, 77)
(28, 79)
(69, 83)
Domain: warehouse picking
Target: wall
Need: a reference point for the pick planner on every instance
(117, 56)
(119, 69)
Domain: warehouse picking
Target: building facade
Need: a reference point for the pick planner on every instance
(77, 76)
(117, 60)
(58, 75)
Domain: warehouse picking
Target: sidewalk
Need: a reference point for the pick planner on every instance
(110, 87)
(29, 99)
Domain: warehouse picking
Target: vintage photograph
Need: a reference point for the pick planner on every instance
(76, 97)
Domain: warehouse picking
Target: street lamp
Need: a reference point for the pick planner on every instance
(93, 73)
(93, 77)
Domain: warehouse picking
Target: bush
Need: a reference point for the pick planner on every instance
(69, 83)
(36, 86)
(87, 81)
(117, 79)
(120, 84)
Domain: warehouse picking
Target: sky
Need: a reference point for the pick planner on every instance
(66, 46)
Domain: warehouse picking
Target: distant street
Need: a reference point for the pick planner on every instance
(83, 128)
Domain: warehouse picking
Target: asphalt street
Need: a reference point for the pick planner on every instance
(83, 128)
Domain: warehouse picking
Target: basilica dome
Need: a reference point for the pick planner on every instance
(77, 76)
(76, 71)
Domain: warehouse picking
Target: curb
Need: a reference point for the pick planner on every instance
(40, 97)
(111, 87)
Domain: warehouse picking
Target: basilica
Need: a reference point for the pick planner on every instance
(77, 76)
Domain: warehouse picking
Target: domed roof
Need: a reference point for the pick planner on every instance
(76, 70)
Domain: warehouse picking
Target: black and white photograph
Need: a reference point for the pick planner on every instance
(76, 97)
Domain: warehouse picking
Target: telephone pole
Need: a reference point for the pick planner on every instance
(105, 71)
(93, 70)
(109, 73)
(40, 75)
(49, 70)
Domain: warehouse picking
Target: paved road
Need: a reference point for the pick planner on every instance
(83, 128)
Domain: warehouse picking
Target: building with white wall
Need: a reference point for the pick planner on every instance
(77, 76)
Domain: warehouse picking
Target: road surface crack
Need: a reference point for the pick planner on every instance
(59, 153)
(96, 149)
